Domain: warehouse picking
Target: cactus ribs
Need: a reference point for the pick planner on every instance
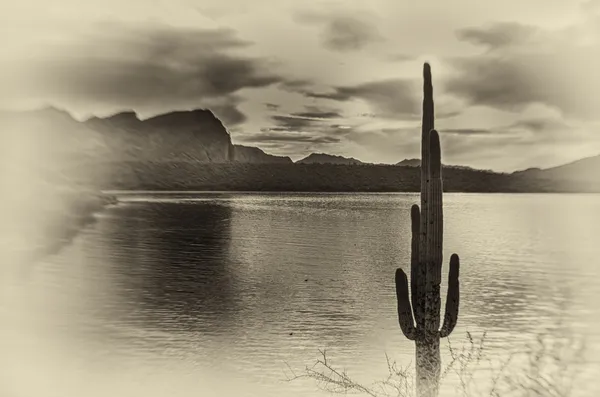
(426, 262)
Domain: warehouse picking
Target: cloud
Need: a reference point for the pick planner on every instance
(400, 57)
(294, 133)
(466, 131)
(285, 142)
(297, 138)
(146, 68)
(525, 65)
(295, 85)
(318, 115)
(272, 106)
(317, 126)
(592, 6)
(289, 123)
(529, 129)
(342, 33)
(227, 111)
(535, 129)
(540, 125)
(535, 123)
(349, 34)
(390, 98)
(498, 35)
(314, 112)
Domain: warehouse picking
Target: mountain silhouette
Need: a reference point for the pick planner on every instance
(196, 135)
(193, 149)
(251, 154)
(410, 163)
(323, 158)
(580, 171)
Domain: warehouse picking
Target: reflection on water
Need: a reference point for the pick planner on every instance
(168, 259)
(212, 294)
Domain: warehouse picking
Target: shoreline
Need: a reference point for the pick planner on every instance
(81, 221)
(123, 192)
(72, 224)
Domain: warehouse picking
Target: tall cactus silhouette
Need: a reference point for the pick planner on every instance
(426, 262)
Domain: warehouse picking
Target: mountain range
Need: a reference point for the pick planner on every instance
(323, 158)
(124, 151)
(583, 170)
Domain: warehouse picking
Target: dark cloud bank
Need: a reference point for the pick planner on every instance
(150, 69)
(525, 65)
(342, 33)
(396, 99)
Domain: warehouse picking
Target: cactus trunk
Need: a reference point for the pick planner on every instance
(426, 262)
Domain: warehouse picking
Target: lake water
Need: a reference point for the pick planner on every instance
(217, 294)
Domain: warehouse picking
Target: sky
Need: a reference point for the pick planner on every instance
(515, 81)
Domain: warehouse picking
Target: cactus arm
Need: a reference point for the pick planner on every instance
(417, 272)
(405, 317)
(452, 298)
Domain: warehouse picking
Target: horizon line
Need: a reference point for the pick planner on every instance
(207, 109)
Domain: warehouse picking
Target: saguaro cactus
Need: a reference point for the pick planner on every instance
(426, 262)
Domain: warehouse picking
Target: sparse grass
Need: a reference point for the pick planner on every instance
(546, 367)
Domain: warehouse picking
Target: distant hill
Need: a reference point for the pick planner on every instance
(48, 141)
(323, 158)
(317, 178)
(190, 136)
(194, 150)
(183, 136)
(195, 135)
(410, 163)
(583, 168)
(250, 154)
(417, 163)
(580, 171)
